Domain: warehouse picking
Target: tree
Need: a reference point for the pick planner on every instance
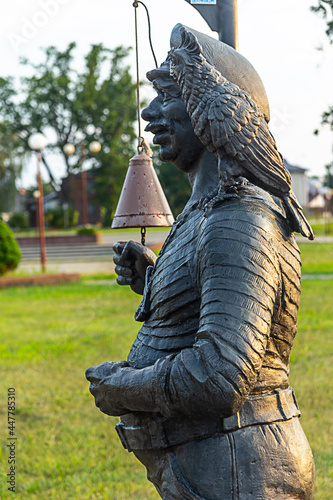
(11, 158)
(325, 9)
(174, 182)
(96, 103)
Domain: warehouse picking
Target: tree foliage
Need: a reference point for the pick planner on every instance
(325, 8)
(11, 159)
(18, 221)
(174, 182)
(97, 103)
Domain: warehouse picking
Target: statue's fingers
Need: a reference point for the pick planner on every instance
(119, 247)
(125, 254)
(125, 280)
(131, 252)
(117, 259)
(123, 271)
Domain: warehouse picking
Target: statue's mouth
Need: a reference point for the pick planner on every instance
(161, 131)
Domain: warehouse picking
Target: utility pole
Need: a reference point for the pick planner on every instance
(221, 16)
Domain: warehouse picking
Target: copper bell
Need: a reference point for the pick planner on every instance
(142, 202)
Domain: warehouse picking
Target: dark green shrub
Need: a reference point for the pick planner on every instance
(10, 254)
(87, 230)
(18, 221)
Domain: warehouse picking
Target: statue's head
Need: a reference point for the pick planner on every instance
(167, 115)
(170, 123)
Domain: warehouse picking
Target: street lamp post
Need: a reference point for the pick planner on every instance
(221, 16)
(94, 148)
(37, 142)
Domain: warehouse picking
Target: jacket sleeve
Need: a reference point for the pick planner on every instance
(238, 277)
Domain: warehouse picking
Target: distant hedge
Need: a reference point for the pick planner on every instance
(10, 254)
(18, 221)
(87, 230)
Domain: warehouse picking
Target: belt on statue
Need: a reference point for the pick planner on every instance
(276, 406)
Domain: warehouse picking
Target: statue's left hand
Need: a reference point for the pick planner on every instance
(104, 387)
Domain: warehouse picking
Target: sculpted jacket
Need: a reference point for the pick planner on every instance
(219, 310)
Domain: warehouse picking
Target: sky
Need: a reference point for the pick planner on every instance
(281, 39)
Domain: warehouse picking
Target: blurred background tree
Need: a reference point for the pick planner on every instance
(175, 183)
(98, 103)
(11, 161)
(71, 106)
(325, 9)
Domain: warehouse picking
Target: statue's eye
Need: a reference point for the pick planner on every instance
(166, 96)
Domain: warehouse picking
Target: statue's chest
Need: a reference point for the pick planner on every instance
(173, 305)
(174, 281)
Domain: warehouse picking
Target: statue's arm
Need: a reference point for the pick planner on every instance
(239, 277)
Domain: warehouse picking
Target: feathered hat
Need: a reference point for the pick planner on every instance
(230, 63)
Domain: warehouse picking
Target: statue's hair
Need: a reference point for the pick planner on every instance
(190, 42)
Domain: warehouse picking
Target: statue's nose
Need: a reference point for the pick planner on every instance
(152, 111)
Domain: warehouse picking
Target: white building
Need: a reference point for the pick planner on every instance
(299, 183)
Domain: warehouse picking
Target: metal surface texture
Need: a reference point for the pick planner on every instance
(41, 220)
(142, 202)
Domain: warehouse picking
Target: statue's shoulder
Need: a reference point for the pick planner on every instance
(246, 208)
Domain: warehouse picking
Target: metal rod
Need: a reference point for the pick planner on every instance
(41, 222)
(221, 17)
(228, 28)
(135, 5)
(84, 188)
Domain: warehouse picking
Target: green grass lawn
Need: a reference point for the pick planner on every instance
(66, 448)
(317, 258)
(322, 228)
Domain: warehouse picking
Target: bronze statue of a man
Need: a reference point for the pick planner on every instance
(204, 396)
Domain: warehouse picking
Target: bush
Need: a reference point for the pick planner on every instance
(10, 254)
(19, 221)
(58, 218)
(87, 230)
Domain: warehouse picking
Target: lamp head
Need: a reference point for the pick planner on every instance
(37, 141)
(69, 149)
(95, 147)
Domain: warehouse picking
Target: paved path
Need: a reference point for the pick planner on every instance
(85, 259)
(85, 268)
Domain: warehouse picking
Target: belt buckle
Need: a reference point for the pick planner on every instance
(122, 436)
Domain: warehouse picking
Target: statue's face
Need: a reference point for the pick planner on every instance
(171, 124)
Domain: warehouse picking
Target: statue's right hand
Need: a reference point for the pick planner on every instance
(131, 260)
